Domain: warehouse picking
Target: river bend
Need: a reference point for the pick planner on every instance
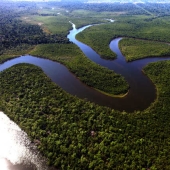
(142, 91)
(141, 94)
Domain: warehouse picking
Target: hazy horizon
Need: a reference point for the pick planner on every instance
(100, 1)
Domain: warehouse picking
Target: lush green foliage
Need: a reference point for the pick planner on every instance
(15, 52)
(129, 8)
(98, 37)
(51, 24)
(97, 41)
(20, 32)
(18, 37)
(157, 9)
(134, 49)
(56, 21)
(73, 134)
(88, 72)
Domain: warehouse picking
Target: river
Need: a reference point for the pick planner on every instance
(18, 153)
(142, 91)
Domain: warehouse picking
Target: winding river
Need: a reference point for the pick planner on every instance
(141, 94)
(142, 91)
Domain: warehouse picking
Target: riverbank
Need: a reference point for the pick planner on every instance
(137, 27)
(87, 71)
(75, 134)
(119, 96)
(55, 118)
(134, 49)
(8, 54)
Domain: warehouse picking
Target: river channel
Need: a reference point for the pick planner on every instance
(19, 154)
(142, 91)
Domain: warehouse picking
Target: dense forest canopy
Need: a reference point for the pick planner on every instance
(73, 133)
(14, 32)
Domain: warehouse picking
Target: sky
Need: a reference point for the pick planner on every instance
(111, 1)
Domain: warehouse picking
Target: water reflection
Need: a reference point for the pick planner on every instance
(16, 150)
(142, 91)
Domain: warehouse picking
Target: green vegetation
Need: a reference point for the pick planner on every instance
(20, 32)
(158, 9)
(83, 21)
(74, 134)
(97, 41)
(119, 8)
(141, 27)
(16, 36)
(134, 49)
(82, 17)
(88, 72)
(60, 24)
(14, 52)
(57, 21)
(27, 32)
(51, 24)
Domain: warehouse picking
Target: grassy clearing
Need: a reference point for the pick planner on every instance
(134, 49)
(57, 21)
(88, 72)
(51, 24)
(50, 11)
(94, 14)
(79, 22)
(86, 17)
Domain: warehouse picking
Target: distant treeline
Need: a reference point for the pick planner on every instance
(14, 32)
(111, 7)
(158, 9)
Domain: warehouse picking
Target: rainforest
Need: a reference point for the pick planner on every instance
(88, 83)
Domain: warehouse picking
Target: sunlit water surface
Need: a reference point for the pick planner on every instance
(16, 150)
